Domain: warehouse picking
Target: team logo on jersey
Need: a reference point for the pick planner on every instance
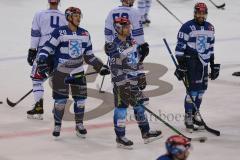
(201, 42)
(75, 48)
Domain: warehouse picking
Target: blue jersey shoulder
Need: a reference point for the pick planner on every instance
(186, 26)
(164, 157)
(209, 26)
(82, 31)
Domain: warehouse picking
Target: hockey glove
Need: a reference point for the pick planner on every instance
(215, 68)
(32, 53)
(110, 48)
(180, 73)
(104, 70)
(143, 50)
(42, 66)
(142, 83)
(76, 79)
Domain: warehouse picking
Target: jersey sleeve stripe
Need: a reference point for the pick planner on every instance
(35, 33)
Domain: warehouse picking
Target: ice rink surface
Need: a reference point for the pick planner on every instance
(24, 139)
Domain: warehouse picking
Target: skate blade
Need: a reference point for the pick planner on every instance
(146, 25)
(199, 128)
(189, 130)
(119, 145)
(83, 136)
(152, 139)
(36, 116)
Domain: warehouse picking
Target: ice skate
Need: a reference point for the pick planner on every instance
(189, 122)
(197, 121)
(123, 142)
(81, 131)
(56, 131)
(37, 111)
(151, 136)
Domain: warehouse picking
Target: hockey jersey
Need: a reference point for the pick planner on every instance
(124, 61)
(165, 157)
(128, 12)
(196, 40)
(70, 49)
(44, 22)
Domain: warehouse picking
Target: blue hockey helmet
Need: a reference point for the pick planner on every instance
(177, 144)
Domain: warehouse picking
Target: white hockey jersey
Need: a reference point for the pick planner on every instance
(44, 22)
(128, 12)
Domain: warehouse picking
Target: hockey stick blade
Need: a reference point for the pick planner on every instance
(218, 6)
(14, 104)
(221, 6)
(11, 104)
(213, 131)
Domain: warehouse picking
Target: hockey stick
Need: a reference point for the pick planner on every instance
(213, 131)
(169, 11)
(12, 104)
(218, 6)
(100, 89)
(200, 139)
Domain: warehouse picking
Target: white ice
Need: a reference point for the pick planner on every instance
(24, 139)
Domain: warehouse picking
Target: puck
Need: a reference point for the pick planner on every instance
(1, 102)
(202, 140)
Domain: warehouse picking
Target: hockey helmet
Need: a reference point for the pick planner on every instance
(128, 2)
(120, 22)
(200, 7)
(53, 1)
(177, 144)
(72, 10)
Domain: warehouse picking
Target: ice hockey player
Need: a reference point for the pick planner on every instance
(124, 55)
(126, 11)
(194, 50)
(72, 46)
(133, 15)
(44, 22)
(177, 148)
(144, 7)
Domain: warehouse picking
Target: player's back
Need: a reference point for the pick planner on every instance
(130, 13)
(45, 22)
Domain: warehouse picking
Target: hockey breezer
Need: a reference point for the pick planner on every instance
(218, 6)
(213, 131)
(13, 104)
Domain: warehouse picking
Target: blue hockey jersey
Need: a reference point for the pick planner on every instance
(196, 40)
(70, 49)
(124, 61)
(165, 157)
